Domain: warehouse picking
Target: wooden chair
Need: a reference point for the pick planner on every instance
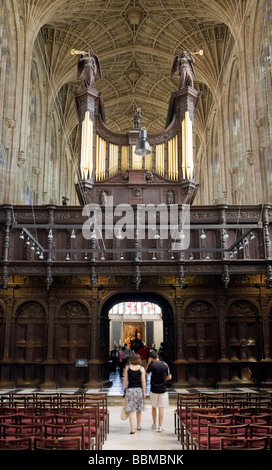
(46, 402)
(216, 431)
(261, 430)
(101, 400)
(21, 431)
(179, 412)
(55, 443)
(16, 444)
(57, 431)
(24, 400)
(183, 416)
(248, 443)
(91, 420)
(198, 432)
(26, 418)
(66, 400)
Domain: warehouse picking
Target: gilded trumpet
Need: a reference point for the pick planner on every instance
(199, 52)
(74, 51)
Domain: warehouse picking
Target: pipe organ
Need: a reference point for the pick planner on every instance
(108, 157)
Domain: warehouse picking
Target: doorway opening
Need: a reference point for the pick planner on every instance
(134, 327)
(135, 321)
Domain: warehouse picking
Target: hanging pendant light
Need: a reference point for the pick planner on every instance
(22, 235)
(143, 147)
(50, 234)
(73, 235)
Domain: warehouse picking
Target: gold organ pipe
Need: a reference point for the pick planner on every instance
(100, 158)
(113, 159)
(149, 160)
(124, 158)
(173, 158)
(160, 159)
(137, 160)
(187, 147)
(86, 161)
(170, 158)
(176, 157)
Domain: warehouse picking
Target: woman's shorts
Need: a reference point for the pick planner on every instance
(159, 399)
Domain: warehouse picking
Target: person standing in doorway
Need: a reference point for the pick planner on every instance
(122, 360)
(160, 374)
(134, 389)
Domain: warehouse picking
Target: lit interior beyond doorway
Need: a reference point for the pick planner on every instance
(127, 321)
(143, 319)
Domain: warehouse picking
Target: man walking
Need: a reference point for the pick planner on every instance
(160, 374)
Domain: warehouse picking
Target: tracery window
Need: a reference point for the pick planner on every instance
(136, 308)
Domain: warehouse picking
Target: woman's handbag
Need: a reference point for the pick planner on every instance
(124, 414)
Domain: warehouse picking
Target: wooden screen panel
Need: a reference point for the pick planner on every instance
(30, 333)
(72, 332)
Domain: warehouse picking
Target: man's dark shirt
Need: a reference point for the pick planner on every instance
(159, 370)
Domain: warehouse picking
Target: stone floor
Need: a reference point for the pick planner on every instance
(119, 437)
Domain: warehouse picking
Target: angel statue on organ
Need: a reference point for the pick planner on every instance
(88, 67)
(184, 67)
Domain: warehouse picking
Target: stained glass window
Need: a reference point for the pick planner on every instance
(136, 308)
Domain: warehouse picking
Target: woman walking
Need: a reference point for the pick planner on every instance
(134, 388)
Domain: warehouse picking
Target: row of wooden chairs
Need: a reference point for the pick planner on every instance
(195, 412)
(207, 426)
(56, 402)
(83, 427)
(57, 417)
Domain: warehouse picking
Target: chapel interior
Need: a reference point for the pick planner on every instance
(69, 293)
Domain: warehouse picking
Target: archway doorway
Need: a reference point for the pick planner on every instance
(134, 323)
(149, 315)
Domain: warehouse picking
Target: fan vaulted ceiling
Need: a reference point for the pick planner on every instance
(136, 42)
